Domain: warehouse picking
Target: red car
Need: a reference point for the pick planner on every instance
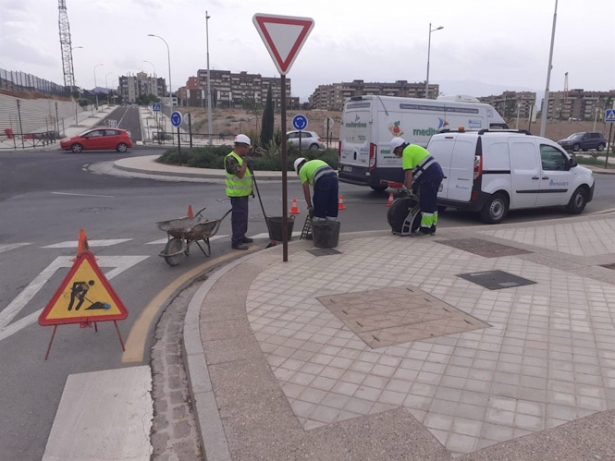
(97, 139)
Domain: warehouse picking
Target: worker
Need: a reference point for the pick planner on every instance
(239, 189)
(324, 180)
(421, 168)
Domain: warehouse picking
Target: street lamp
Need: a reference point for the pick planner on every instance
(95, 85)
(428, 52)
(169, 58)
(545, 101)
(209, 120)
(107, 86)
(155, 79)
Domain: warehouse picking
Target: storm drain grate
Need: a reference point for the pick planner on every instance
(483, 248)
(496, 280)
(396, 315)
(324, 252)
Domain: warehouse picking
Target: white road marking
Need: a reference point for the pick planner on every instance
(164, 240)
(118, 263)
(12, 246)
(103, 415)
(91, 243)
(265, 235)
(82, 195)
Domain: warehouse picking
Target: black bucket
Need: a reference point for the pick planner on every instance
(276, 227)
(325, 234)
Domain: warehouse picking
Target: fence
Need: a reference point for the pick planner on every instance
(20, 81)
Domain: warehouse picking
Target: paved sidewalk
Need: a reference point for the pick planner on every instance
(287, 362)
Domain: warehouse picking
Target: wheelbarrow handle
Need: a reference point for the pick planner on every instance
(199, 212)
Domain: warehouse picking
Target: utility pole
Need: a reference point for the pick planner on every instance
(209, 120)
(545, 101)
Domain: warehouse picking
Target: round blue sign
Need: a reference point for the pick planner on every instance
(176, 118)
(300, 122)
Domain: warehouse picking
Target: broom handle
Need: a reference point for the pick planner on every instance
(258, 193)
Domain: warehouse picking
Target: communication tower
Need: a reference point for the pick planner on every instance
(66, 46)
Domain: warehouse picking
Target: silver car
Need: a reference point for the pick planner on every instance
(309, 140)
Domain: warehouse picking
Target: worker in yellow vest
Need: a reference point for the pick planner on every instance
(239, 189)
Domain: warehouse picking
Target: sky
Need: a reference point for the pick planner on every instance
(484, 48)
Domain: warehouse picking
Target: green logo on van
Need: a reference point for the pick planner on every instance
(356, 125)
(427, 132)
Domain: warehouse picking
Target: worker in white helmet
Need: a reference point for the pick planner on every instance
(422, 169)
(239, 189)
(324, 180)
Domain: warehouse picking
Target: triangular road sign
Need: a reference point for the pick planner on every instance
(283, 36)
(85, 295)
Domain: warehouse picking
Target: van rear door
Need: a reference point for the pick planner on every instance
(461, 173)
(355, 136)
(441, 148)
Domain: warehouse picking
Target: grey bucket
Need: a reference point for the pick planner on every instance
(276, 228)
(325, 234)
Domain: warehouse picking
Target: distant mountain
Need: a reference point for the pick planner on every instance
(100, 89)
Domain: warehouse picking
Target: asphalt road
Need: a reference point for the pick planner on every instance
(127, 118)
(46, 197)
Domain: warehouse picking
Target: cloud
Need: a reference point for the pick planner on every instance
(24, 53)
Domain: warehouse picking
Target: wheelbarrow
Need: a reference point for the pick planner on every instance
(183, 232)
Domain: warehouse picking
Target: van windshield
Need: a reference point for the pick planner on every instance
(356, 126)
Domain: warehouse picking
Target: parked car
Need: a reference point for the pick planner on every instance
(309, 140)
(583, 141)
(99, 139)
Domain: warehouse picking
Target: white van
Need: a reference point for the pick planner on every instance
(370, 122)
(493, 171)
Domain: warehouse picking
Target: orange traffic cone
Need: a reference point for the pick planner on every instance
(83, 242)
(294, 209)
(340, 203)
(190, 212)
(390, 202)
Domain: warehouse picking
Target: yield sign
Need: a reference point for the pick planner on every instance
(283, 36)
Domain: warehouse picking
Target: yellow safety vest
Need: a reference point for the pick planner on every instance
(235, 186)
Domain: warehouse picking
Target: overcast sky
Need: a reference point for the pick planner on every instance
(486, 45)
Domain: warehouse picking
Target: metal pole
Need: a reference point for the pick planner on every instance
(545, 101)
(428, 51)
(190, 128)
(595, 116)
(23, 146)
(529, 126)
(209, 120)
(179, 147)
(284, 174)
(518, 107)
(300, 143)
(609, 147)
(57, 120)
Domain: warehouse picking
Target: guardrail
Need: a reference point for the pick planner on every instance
(14, 141)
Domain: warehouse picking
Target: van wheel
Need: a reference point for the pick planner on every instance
(495, 209)
(577, 201)
(379, 188)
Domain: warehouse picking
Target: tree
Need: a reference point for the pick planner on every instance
(267, 125)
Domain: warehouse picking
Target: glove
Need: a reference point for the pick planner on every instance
(249, 161)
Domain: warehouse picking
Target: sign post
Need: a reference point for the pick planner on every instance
(328, 127)
(609, 117)
(283, 37)
(176, 120)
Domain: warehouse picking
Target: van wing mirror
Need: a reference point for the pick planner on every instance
(571, 163)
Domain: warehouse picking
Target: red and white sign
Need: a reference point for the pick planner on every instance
(283, 36)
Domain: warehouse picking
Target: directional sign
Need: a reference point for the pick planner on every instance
(328, 123)
(283, 36)
(609, 116)
(85, 295)
(156, 107)
(176, 118)
(300, 122)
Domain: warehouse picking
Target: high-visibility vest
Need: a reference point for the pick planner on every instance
(235, 186)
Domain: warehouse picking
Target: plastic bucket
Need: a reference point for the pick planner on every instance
(276, 227)
(325, 234)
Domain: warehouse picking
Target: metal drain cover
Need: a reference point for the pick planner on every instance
(396, 315)
(324, 252)
(483, 248)
(496, 280)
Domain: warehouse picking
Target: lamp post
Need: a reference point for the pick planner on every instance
(75, 88)
(107, 86)
(545, 101)
(209, 120)
(428, 52)
(169, 59)
(95, 85)
(155, 79)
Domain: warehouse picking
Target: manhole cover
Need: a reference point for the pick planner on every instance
(496, 280)
(396, 315)
(483, 248)
(96, 209)
(324, 252)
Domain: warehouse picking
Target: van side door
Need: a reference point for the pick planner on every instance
(525, 171)
(556, 180)
(441, 148)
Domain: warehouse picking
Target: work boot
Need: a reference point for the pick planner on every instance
(241, 246)
(247, 240)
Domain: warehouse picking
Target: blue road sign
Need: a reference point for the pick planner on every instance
(300, 122)
(609, 116)
(176, 118)
(156, 107)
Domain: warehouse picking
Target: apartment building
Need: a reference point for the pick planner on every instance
(579, 104)
(511, 103)
(333, 96)
(141, 84)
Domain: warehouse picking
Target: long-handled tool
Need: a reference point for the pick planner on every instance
(271, 241)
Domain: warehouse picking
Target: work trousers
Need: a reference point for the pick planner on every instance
(239, 219)
(429, 183)
(325, 196)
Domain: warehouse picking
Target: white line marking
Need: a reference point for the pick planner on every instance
(82, 195)
(12, 246)
(164, 240)
(118, 263)
(92, 243)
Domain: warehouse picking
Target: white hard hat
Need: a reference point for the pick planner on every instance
(300, 161)
(242, 139)
(396, 142)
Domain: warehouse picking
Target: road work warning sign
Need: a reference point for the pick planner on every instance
(84, 296)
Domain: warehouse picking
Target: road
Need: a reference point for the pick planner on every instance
(46, 197)
(127, 118)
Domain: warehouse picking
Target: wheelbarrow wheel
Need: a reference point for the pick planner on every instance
(174, 248)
